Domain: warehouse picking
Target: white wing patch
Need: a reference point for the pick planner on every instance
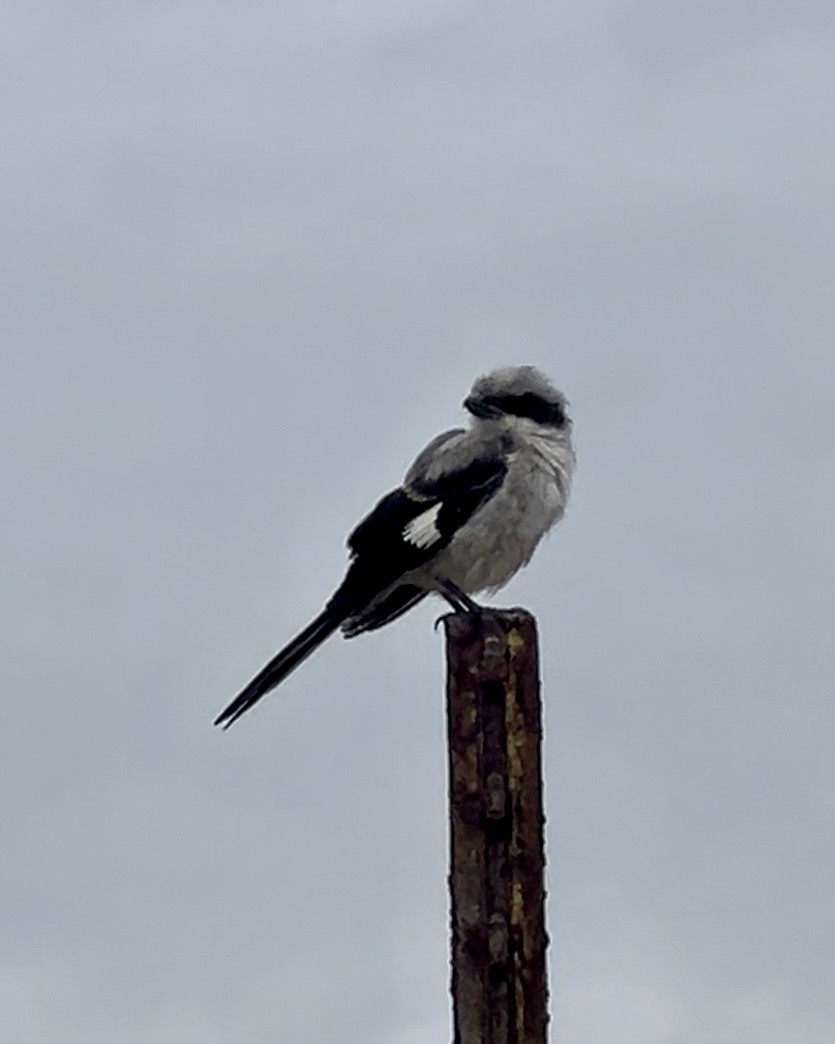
(422, 531)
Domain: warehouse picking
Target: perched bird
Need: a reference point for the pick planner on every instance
(469, 514)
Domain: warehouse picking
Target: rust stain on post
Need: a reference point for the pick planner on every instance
(494, 720)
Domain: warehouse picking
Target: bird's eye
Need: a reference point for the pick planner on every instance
(531, 406)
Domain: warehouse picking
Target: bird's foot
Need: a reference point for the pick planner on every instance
(461, 603)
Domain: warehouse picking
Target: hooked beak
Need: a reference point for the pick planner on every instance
(480, 408)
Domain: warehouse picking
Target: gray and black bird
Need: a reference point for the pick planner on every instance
(469, 514)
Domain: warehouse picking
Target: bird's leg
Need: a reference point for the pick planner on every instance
(460, 602)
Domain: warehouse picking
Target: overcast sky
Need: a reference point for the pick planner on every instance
(252, 257)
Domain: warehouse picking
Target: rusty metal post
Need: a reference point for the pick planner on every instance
(497, 889)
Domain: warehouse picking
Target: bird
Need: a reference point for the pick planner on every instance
(468, 515)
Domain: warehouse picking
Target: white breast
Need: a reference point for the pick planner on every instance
(503, 534)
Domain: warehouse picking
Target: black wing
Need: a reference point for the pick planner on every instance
(405, 530)
(408, 528)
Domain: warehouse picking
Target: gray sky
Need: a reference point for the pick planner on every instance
(252, 257)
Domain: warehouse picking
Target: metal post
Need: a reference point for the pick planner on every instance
(494, 721)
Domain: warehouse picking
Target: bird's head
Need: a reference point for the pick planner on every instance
(518, 392)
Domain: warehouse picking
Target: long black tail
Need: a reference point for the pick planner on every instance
(294, 653)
